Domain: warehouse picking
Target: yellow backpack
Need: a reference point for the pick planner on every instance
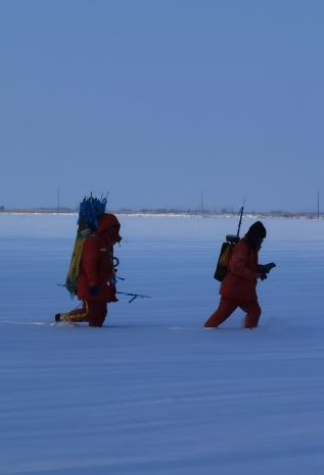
(224, 257)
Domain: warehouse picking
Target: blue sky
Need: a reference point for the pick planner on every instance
(157, 101)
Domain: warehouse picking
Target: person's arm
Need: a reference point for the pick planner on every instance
(90, 258)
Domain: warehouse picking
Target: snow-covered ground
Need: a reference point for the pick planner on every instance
(153, 392)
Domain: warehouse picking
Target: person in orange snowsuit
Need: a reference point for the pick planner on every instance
(238, 288)
(96, 281)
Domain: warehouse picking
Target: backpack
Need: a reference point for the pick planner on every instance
(90, 212)
(224, 257)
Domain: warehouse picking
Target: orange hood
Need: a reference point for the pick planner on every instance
(109, 222)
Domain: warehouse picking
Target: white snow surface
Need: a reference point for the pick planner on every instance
(153, 392)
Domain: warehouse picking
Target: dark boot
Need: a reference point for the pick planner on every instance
(57, 317)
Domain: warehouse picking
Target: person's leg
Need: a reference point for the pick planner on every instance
(253, 312)
(225, 309)
(74, 316)
(97, 313)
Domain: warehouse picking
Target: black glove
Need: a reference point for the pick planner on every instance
(266, 268)
(94, 290)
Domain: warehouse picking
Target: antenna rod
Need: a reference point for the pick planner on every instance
(241, 216)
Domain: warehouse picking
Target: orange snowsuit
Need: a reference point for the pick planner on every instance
(238, 289)
(96, 281)
(96, 267)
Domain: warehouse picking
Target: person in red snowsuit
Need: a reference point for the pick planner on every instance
(238, 288)
(96, 281)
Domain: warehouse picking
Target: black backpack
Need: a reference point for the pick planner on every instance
(226, 251)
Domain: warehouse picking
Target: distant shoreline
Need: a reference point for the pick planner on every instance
(166, 213)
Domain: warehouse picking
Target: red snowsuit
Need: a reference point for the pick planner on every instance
(96, 282)
(238, 289)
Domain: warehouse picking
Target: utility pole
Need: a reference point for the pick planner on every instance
(318, 205)
(58, 199)
(202, 207)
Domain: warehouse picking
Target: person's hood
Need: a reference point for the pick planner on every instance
(109, 222)
(255, 235)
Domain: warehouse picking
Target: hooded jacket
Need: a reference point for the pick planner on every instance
(96, 267)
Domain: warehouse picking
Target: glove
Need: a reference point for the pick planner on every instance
(94, 290)
(266, 268)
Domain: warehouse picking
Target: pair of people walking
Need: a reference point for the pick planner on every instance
(96, 280)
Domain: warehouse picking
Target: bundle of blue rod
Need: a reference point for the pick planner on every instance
(90, 211)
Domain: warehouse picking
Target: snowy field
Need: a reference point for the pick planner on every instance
(153, 392)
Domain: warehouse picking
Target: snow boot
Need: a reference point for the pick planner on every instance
(58, 317)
